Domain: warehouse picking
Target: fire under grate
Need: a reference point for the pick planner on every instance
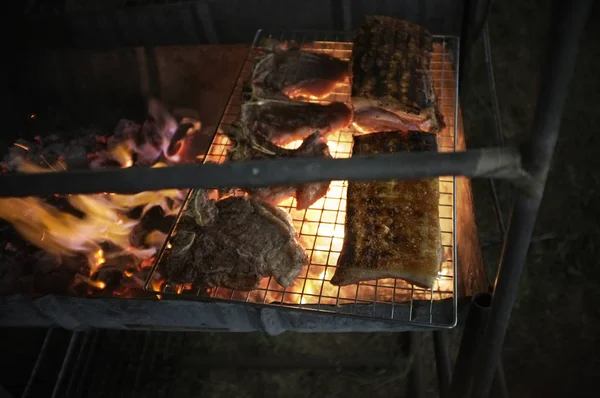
(321, 227)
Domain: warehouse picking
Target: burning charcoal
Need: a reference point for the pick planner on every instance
(90, 236)
(50, 276)
(124, 130)
(17, 154)
(14, 275)
(76, 157)
(186, 113)
(152, 221)
(178, 138)
(53, 152)
(250, 239)
(156, 133)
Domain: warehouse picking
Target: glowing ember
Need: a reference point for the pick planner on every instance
(100, 226)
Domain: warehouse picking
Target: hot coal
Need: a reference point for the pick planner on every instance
(26, 268)
(178, 138)
(131, 143)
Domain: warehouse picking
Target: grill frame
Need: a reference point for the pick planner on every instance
(567, 29)
(338, 44)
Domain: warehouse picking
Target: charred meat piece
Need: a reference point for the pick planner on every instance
(234, 243)
(284, 121)
(250, 146)
(289, 72)
(392, 228)
(392, 87)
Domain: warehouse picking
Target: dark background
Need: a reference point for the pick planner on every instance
(552, 344)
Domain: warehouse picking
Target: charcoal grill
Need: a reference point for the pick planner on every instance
(321, 226)
(477, 365)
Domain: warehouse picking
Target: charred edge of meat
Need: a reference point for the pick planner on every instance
(181, 242)
(270, 44)
(305, 73)
(392, 228)
(202, 209)
(244, 145)
(285, 121)
(391, 61)
(253, 146)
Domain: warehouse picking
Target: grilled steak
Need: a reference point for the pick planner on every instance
(392, 228)
(234, 243)
(289, 72)
(392, 87)
(285, 121)
(251, 146)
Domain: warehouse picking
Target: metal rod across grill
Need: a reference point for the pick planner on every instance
(321, 226)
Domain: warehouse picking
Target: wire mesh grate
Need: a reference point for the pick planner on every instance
(321, 226)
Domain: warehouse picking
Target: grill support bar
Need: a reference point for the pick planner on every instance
(442, 361)
(471, 341)
(503, 163)
(415, 376)
(38, 363)
(571, 18)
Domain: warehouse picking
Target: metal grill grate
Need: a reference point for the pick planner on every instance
(321, 227)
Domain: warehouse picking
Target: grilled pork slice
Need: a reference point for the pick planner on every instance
(234, 243)
(251, 146)
(392, 227)
(282, 122)
(289, 72)
(392, 87)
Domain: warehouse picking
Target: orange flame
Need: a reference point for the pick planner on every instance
(103, 218)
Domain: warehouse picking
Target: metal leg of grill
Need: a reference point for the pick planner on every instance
(499, 389)
(474, 18)
(69, 357)
(572, 17)
(415, 377)
(85, 352)
(38, 363)
(442, 360)
(474, 327)
(4, 393)
(471, 340)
